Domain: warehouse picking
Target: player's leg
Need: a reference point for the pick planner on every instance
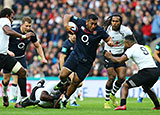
(5, 82)
(65, 72)
(153, 97)
(111, 77)
(140, 98)
(73, 96)
(121, 73)
(71, 89)
(13, 89)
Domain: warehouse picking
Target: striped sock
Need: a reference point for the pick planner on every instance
(116, 88)
(108, 91)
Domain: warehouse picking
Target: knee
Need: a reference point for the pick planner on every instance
(111, 80)
(125, 85)
(22, 73)
(6, 80)
(121, 80)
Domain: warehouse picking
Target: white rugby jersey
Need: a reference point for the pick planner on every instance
(118, 38)
(141, 56)
(4, 39)
(49, 87)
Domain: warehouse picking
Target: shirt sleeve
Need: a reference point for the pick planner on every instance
(128, 31)
(77, 21)
(34, 38)
(104, 35)
(6, 22)
(158, 46)
(129, 52)
(65, 48)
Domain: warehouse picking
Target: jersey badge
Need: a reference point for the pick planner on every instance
(64, 49)
(74, 17)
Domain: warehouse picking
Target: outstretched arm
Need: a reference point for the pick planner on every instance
(121, 59)
(40, 51)
(9, 31)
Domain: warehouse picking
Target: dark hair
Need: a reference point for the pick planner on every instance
(130, 38)
(92, 16)
(107, 22)
(6, 11)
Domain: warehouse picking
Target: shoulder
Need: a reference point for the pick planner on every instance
(5, 21)
(126, 30)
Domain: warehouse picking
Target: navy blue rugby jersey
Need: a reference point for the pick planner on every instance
(86, 41)
(18, 45)
(67, 47)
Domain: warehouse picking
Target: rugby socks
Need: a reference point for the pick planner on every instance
(13, 91)
(142, 94)
(5, 87)
(116, 88)
(108, 91)
(22, 86)
(123, 102)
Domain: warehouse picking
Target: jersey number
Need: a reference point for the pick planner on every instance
(144, 50)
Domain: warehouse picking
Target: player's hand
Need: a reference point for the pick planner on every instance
(11, 53)
(108, 54)
(110, 43)
(29, 34)
(43, 60)
(68, 29)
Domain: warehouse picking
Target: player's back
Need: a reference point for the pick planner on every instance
(141, 56)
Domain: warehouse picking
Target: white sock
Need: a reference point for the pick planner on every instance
(142, 94)
(5, 90)
(12, 92)
(19, 99)
(73, 97)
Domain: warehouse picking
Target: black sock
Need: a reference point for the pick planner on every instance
(4, 84)
(123, 102)
(22, 85)
(157, 104)
(15, 85)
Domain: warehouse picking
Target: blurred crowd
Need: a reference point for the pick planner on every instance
(142, 16)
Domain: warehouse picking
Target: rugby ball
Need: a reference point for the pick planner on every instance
(74, 28)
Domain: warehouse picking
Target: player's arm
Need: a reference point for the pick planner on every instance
(155, 55)
(121, 59)
(67, 18)
(40, 51)
(9, 31)
(11, 53)
(61, 59)
(109, 41)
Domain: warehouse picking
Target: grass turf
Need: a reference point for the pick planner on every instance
(90, 106)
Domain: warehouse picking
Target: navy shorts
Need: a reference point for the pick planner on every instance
(109, 63)
(81, 67)
(146, 77)
(7, 62)
(22, 61)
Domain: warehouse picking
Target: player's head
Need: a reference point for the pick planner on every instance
(115, 20)
(8, 13)
(129, 41)
(26, 24)
(72, 38)
(91, 22)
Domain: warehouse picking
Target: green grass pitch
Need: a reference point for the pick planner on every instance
(90, 106)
